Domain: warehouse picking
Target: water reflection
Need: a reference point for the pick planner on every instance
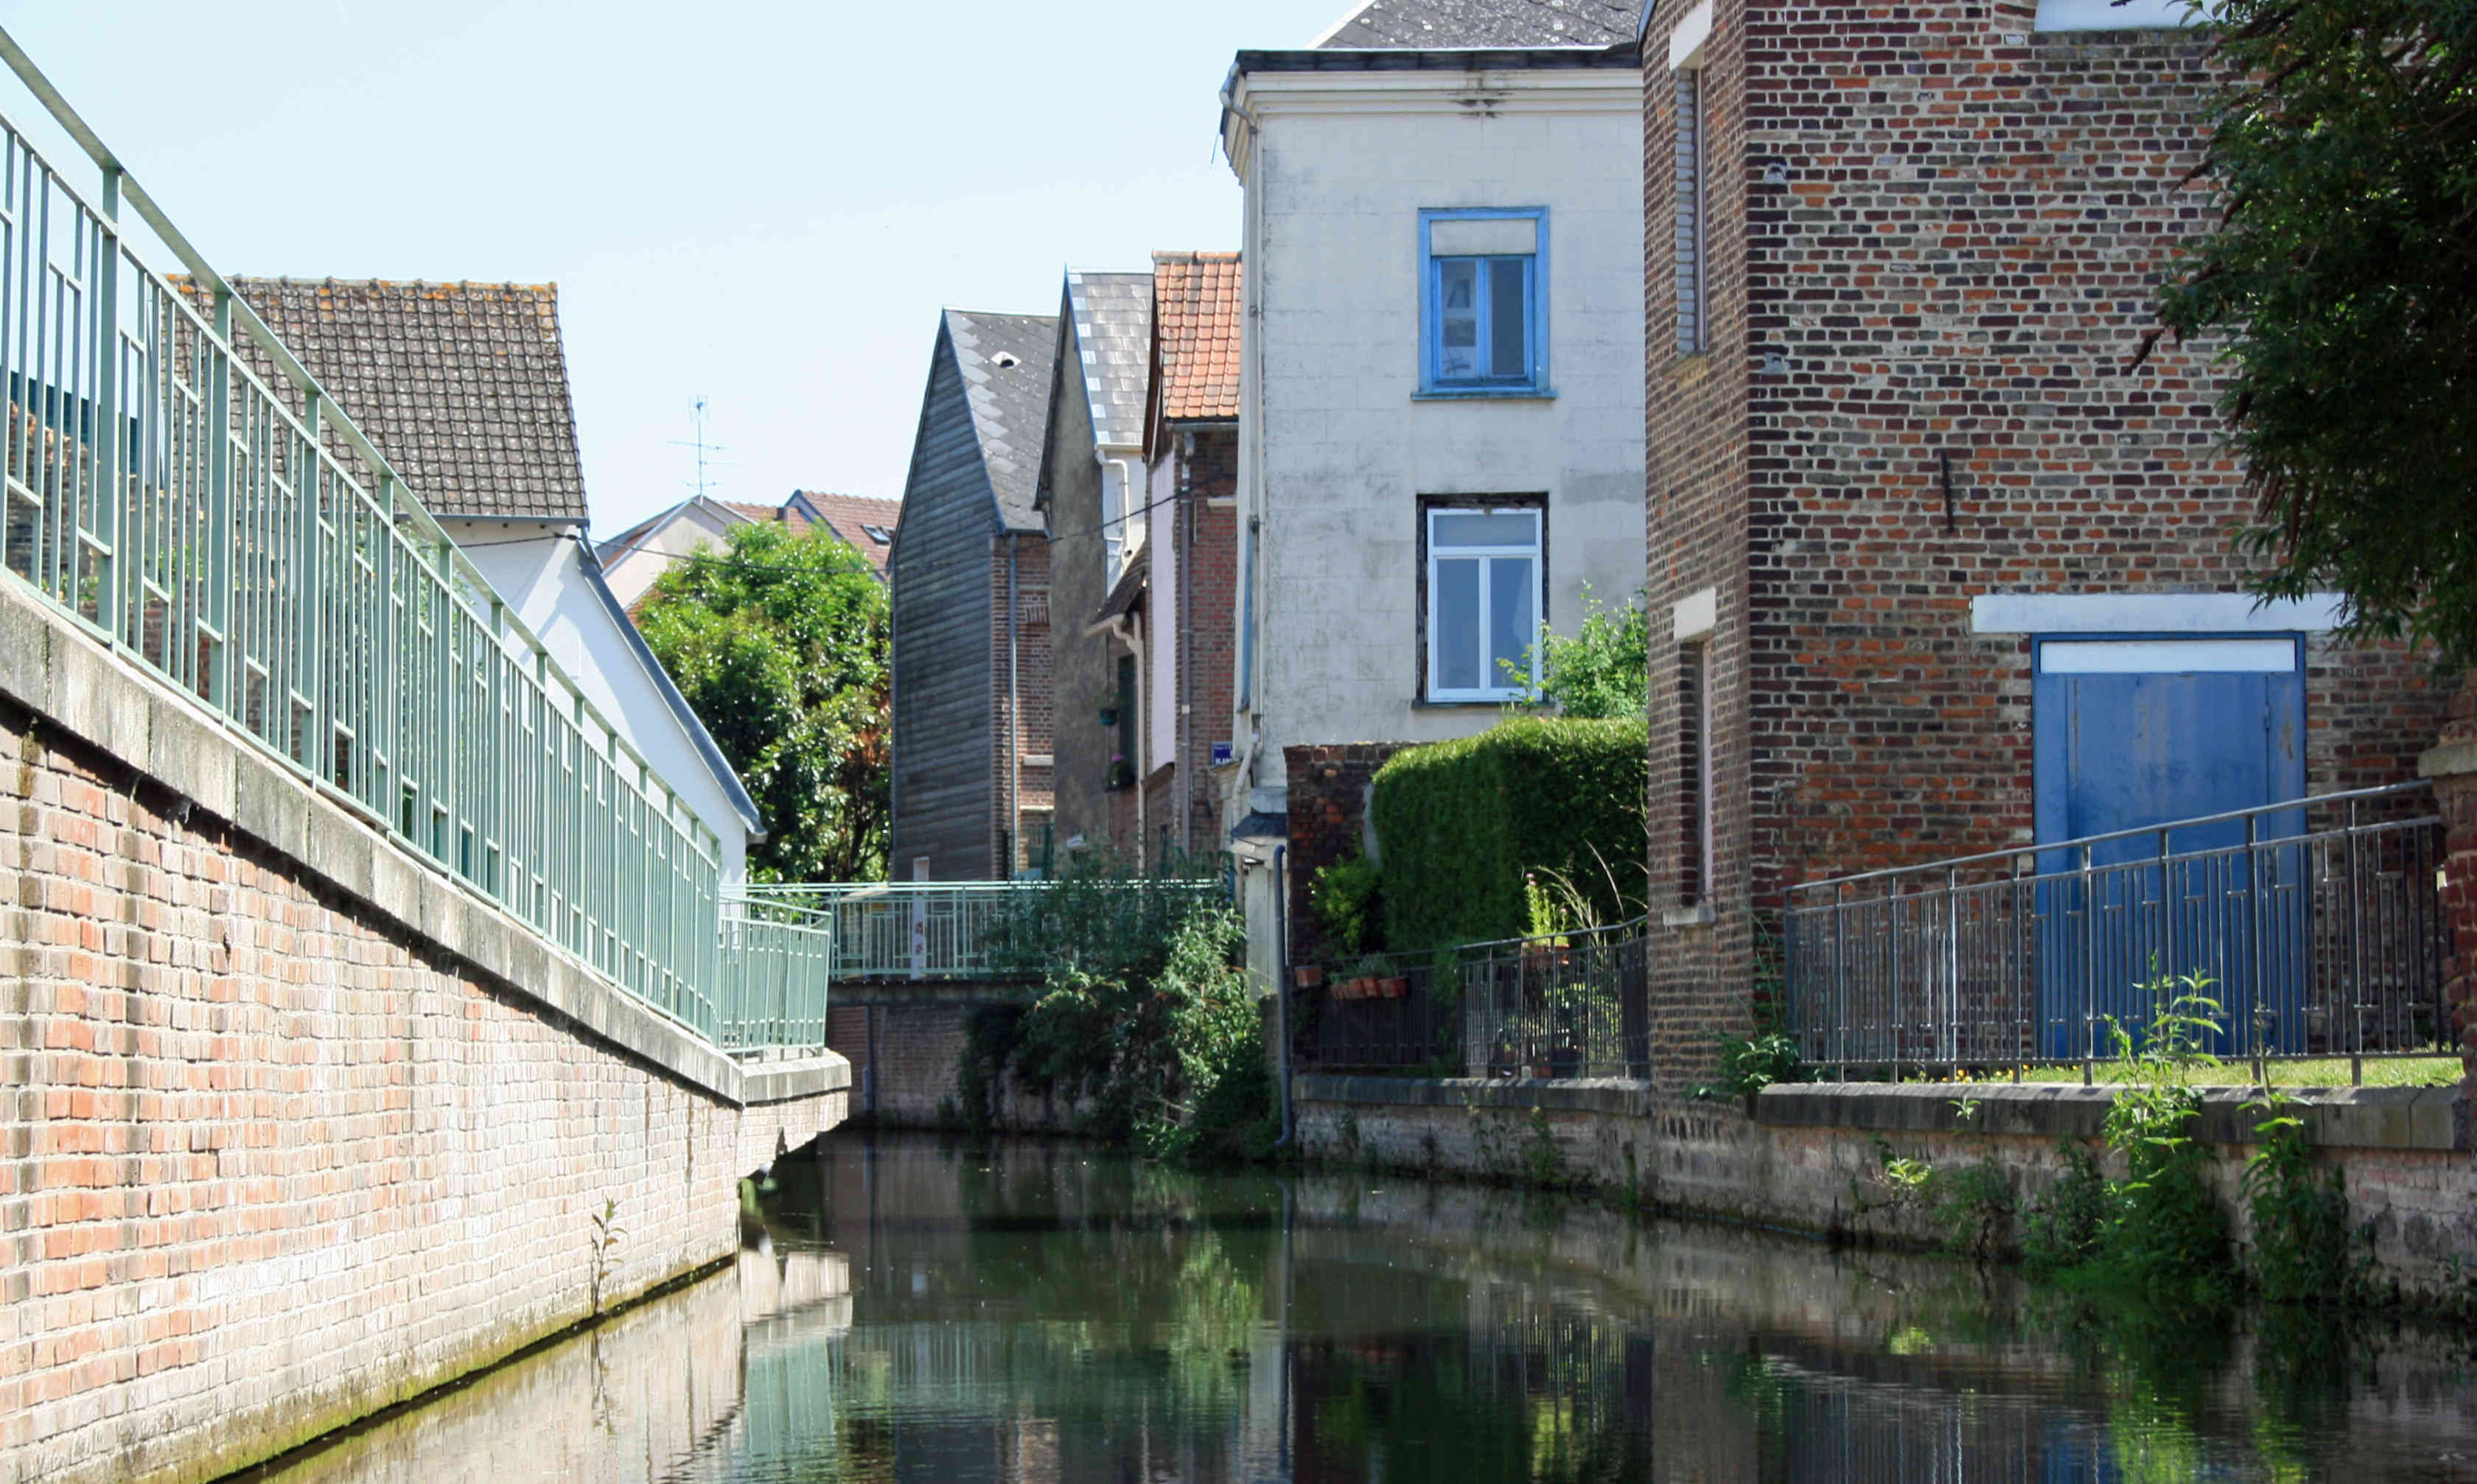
(919, 1311)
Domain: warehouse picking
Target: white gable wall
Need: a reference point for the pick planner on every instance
(1338, 450)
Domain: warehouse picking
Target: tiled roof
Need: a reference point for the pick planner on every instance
(866, 526)
(1006, 361)
(1196, 303)
(462, 386)
(1114, 327)
(1392, 25)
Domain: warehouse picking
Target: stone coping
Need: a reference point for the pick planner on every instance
(2389, 1118)
(2396, 1117)
(782, 1081)
(75, 681)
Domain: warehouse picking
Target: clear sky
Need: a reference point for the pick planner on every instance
(763, 203)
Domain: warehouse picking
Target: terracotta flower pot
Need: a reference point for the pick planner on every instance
(1393, 989)
(1307, 976)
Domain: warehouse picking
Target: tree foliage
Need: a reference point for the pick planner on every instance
(1601, 671)
(779, 643)
(2343, 275)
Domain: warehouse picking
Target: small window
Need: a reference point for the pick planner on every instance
(1483, 603)
(1483, 309)
(1693, 773)
(1694, 318)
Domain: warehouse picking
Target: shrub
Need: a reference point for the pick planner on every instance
(1461, 822)
(1344, 895)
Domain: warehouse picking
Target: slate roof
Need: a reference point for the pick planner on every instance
(1007, 361)
(462, 386)
(1113, 325)
(1392, 25)
(1196, 305)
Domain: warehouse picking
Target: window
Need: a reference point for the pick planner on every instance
(1482, 602)
(1693, 771)
(1691, 319)
(1484, 307)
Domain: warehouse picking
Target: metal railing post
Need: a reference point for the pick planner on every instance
(2089, 977)
(1951, 1050)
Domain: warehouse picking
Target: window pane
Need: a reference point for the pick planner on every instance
(1509, 316)
(1454, 612)
(1456, 317)
(1511, 629)
(1474, 528)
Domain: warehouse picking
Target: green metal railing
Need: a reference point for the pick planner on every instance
(777, 965)
(887, 931)
(246, 541)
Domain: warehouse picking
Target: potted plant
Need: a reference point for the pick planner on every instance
(1122, 772)
(1362, 977)
(1307, 976)
(1393, 986)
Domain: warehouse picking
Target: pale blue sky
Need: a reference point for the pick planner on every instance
(761, 203)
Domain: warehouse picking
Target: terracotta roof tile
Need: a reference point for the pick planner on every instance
(1197, 307)
(866, 525)
(462, 386)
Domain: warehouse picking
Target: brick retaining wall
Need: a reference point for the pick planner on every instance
(281, 1146)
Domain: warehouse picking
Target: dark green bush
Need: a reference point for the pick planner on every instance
(1460, 822)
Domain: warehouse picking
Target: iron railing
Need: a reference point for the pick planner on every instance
(777, 967)
(1569, 1005)
(2315, 926)
(246, 541)
(941, 930)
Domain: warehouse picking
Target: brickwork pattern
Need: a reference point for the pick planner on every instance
(1935, 235)
(1031, 733)
(1209, 582)
(1328, 822)
(265, 1166)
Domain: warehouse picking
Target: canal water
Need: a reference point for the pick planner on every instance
(918, 1310)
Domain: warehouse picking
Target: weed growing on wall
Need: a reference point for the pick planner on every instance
(2303, 1251)
(2065, 1226)
(2169, 1228)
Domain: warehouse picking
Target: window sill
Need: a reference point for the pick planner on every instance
(1484, 394)
(1699, 915)
(1690, 368)
(1424, 704)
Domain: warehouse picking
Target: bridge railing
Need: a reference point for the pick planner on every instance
(946, 931)
(242, 538)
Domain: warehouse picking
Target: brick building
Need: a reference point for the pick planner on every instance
(1191, 453)
(1934, 570)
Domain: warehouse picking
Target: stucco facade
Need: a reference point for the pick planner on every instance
(1343, 442)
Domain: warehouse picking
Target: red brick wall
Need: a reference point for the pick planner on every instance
(268, 1162)
(1208, 579)
(1030, 733)
(1935, 234)
(1328, 818)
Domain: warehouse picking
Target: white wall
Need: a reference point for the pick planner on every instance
(1337, 171)
(538, 571)
(631, 570)
(1161, 623)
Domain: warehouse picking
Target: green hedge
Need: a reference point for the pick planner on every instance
(1459, 822)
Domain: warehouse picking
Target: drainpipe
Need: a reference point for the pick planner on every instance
(1281, 979)
(1144, 730)
(1014, 714)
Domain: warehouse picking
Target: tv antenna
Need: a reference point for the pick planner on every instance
(703, 448)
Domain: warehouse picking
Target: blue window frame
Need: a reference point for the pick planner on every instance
(1484, 302)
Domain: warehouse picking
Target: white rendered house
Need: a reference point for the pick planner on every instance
(1441, 389)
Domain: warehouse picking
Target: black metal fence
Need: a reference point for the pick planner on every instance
(2316, 926)
(1564, 1006)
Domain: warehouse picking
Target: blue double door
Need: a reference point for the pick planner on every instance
(2134, 732)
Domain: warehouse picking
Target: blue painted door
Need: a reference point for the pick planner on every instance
(2133, 734)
